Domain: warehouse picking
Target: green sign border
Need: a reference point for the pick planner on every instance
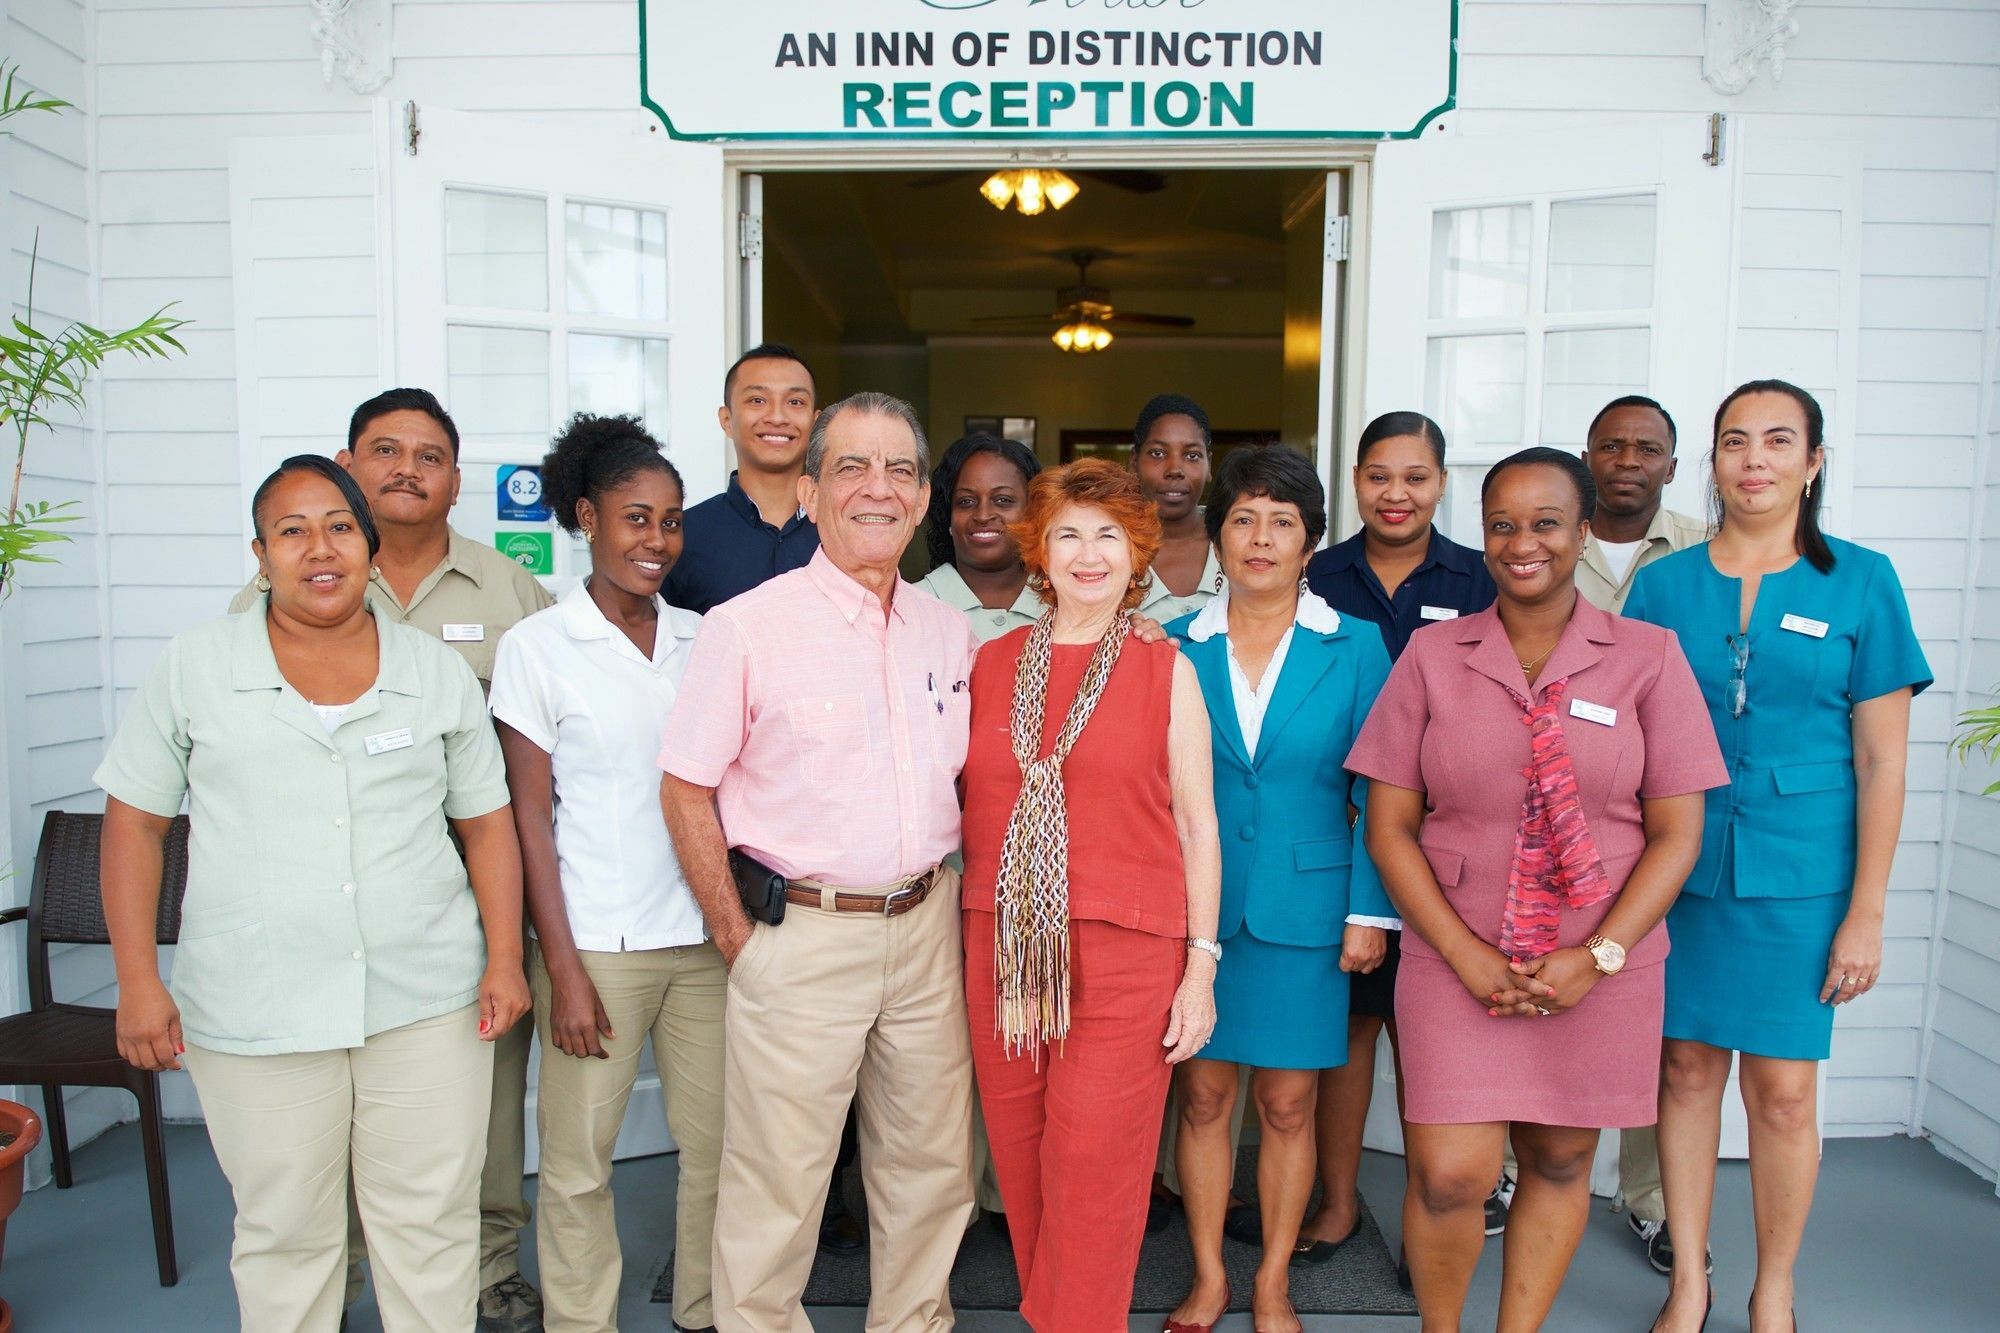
(1130, 136)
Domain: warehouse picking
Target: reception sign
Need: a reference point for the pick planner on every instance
(898, 70)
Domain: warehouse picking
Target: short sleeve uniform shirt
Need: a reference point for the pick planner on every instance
(325, 901)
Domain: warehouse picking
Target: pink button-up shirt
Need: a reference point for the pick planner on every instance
(833, 738)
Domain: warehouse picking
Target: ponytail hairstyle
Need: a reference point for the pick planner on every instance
(1811, 542)
(596, 454)
(1392, 424)
(350, 491)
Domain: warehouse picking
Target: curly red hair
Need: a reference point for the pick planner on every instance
(1100, 485)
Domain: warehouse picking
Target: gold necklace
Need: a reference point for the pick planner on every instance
(1528, 668)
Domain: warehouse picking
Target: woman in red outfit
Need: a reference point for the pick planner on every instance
(1089, 923)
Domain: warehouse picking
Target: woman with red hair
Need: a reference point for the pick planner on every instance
(1089, 923)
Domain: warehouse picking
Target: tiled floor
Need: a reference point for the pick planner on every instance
(1900, 1239)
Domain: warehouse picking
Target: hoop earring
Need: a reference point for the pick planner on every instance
(589, 535)
(263, 582)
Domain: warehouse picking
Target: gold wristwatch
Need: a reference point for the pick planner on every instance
(1609, 954)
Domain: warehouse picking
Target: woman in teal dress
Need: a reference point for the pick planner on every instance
(1288, 682)
(1806, 657)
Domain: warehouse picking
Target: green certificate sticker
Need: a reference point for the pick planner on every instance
(532, 551)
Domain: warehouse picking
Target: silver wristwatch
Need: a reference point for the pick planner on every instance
(1209, 947)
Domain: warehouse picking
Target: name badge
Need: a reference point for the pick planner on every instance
(1590, 712)
(1437, 613)
(465, 633)
(384, 741)
(1800, 625)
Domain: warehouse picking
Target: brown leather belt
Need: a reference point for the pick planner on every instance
(893, 903)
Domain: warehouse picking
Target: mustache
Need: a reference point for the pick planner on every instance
(406, 487)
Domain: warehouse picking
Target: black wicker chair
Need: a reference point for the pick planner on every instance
(69, 1045)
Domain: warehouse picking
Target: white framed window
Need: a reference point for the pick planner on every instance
(1518, 284)
(539, 272)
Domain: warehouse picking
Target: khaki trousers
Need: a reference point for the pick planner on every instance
(1639, 1173)
(406, 1114)
(674, 999)
(503, 1204)
(828, 1008)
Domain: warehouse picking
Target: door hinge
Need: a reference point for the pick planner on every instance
(411, 130)
(749, 236)
(1337, 246)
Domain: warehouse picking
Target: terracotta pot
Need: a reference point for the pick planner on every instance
(26, 1127)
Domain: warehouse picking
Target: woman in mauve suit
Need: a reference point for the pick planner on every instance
(1535, 803)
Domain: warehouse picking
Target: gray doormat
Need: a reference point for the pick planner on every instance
(1359, 1280)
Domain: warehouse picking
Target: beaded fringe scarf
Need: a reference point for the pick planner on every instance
(1031, 899)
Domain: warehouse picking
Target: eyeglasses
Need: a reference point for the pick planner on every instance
(1739, 662)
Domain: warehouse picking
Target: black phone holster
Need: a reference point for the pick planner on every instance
(761, 888)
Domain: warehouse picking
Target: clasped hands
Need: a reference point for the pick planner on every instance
(1538, 988)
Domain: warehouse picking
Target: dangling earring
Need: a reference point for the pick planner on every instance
(1303, 590)
(1808, 490)
(589, 535)
(1038, 581)
(375, 573)
(263, 582)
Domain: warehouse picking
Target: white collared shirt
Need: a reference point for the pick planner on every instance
(573, 684)
(1253, 701)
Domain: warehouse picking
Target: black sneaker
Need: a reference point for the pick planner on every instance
(1660, 1245)
(510, 1306)
(1497, 1204)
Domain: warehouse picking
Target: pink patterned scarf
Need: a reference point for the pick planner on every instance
(1555, 858)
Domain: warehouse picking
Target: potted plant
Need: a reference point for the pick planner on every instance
(20, 1131)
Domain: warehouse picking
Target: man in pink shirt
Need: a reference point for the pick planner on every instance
(820, 730)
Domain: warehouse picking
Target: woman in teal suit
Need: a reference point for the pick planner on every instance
(1805, 654)
(1288, 682)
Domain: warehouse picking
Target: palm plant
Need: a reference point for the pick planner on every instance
(1979, 734)
(43, 372)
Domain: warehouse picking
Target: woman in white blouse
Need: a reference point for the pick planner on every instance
(620, 954)
(1288, 682)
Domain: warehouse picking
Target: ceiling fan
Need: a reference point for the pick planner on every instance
(1086, 304)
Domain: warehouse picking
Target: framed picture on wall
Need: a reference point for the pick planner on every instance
(1019, 429)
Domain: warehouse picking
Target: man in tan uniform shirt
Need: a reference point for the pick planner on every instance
(1630, 450)
(402, 448)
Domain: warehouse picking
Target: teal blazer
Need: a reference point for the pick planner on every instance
(1292, 868)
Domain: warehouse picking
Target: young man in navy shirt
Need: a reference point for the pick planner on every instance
(755, 530)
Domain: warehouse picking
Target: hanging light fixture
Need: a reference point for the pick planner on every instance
(1082, 337)
(1029, 189)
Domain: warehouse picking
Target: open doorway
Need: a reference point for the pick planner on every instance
(912, 283)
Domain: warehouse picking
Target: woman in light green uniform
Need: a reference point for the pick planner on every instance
(341, 972)
(978, 489)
